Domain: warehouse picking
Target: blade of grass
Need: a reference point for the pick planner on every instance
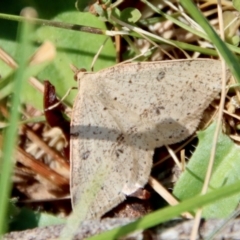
(228, 56)
(56, 24)
(231, 61)
(168, 213)
(187, 28)
(10, 134)
(75, 27)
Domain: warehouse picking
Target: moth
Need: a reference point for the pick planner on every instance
(122, 113)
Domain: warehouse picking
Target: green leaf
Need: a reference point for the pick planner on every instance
(33, 219)
(130, 15)
(225, 172)
(235, 40)
(75, 48)
(83, 5)
(231, 23)
(236, 4)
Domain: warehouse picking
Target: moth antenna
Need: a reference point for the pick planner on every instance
(73, 68)
(76, 71)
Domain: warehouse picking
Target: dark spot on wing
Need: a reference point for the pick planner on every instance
(85, 155)
(118, 152)
(160, 75)
(120, 138)
(158, 110)
(74, 134)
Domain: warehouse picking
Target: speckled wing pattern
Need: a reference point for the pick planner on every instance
(122, 113)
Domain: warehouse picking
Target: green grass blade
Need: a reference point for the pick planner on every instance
(189, 29)
(10, 134)
(228, 56)
(168, 213)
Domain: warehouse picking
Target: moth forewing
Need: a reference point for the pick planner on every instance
(123, 112)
